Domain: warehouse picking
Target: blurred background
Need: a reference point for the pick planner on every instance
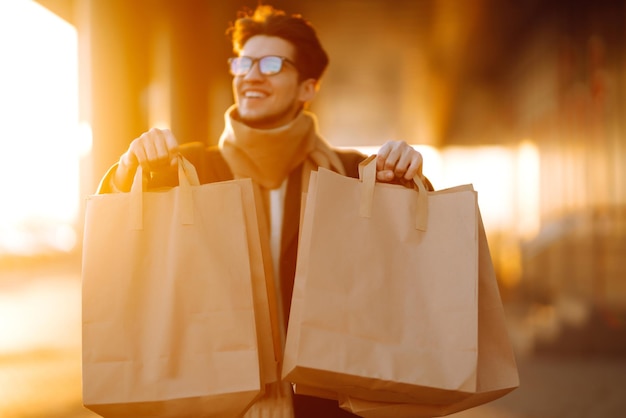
(526, 100)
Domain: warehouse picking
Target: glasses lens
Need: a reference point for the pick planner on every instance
(270, 65)
(240, 65)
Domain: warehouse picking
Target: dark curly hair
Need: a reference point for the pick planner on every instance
(311, 60)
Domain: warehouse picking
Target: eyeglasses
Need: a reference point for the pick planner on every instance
(268, 65)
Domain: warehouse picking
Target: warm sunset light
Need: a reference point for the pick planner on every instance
(525, 101)
(39, 141)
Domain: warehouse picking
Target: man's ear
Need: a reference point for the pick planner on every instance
(308, 89)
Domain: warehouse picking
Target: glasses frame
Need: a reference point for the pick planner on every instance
(259, 59)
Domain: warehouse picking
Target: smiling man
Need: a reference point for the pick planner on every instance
(265, 102)
(270, 137)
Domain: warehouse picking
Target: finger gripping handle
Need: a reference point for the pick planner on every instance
(367, 175)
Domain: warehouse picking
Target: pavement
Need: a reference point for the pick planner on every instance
(40, 357)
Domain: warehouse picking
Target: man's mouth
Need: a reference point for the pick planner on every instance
(252, 94)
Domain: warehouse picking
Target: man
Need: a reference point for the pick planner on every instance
(270, 138)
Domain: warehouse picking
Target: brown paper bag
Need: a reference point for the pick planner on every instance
(496, 367)
(171, 280)
(385, 303)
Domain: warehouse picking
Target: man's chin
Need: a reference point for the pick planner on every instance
(261, 121)
(247, 116)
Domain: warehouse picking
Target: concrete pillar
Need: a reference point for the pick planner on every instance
(114, 38)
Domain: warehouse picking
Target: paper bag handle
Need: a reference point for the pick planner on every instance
(367, 175)
(187, 178)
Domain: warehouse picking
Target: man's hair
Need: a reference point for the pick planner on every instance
(311, 60)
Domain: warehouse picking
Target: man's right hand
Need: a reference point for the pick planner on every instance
(154, 150)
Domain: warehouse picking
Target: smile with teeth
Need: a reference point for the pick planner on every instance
(254, 95)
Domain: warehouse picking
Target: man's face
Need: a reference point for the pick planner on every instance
(269, 101)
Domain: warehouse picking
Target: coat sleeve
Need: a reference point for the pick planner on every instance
(208, 161)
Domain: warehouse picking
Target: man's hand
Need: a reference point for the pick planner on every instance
(398, 161)
(154, 150)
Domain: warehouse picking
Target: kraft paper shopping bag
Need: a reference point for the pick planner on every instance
(385, 303)
(169, 323)
(496, 368)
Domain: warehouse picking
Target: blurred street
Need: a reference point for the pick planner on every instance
(40, 358)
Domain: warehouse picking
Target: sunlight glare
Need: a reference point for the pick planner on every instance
(490, 169)
(39, 114)
(528, 190)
